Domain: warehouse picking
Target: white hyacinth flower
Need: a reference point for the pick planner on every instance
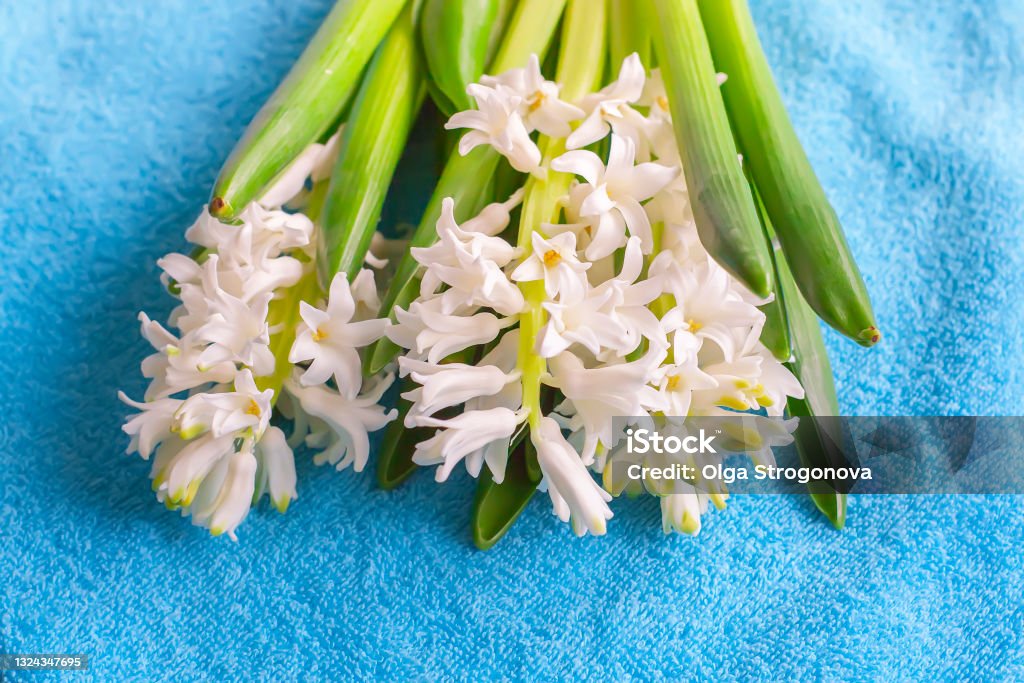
(611, 198)
(476, 281)
(598, 395)
(708, 306)
(246, 410)
(449, 384)
(204, 446)
(432, 334)
(575, 495)
(582, 317)
(224, 497)
(678, 381)
(236, 331)
(214, 451)
(554, 261)
(151, 425)
(330, 337)
(462, 436)
(475, 237)
(608, 109)
(347, 422)
(275, 474)
(681, 512)
(612, 316)
(540, 107)
(176, 365)
(496, 122)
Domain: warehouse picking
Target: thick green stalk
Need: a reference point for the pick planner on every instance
(580, 67)
(629, 32)
(808, 228)
(540, 205)
(722, 205)
(530, 31)
(454, 35)
(306, 103)
(371, 145)
(466, 178)
(283, 314)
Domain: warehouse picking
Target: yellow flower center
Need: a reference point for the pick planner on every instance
(663, 102)
(552, 258)
(673, 382)
(319, 333)
(694, 325)
(536, 101)
(253, 408)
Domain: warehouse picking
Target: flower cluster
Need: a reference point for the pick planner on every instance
(214, 382)
(628, 312)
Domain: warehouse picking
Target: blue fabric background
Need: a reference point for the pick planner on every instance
(114, 118)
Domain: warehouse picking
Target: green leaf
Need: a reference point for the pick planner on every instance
(775, 334)
(371, 145)
(497, 506)
(394, 460)
(455, 36)
(807, 226)
(722, 204)
(306, 104)
(811, 366)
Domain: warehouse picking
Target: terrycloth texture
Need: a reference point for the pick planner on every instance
(113, 122)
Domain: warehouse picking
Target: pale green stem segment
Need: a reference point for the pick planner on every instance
(807, 225)
(466, 179)
(628, 32)
(371, 145)
(283, 314)
(306, 104)
(722, 204)
(530, 31)
(580, 67)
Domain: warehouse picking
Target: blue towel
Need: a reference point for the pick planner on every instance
(114, 118)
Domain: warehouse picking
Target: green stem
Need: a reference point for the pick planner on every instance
(284, 314)
(530, 31)
(629, 32)
(580, 66)
(371, 146)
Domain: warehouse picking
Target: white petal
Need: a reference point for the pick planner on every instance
(583, 163)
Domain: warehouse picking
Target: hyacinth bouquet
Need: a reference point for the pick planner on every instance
(625, 226)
